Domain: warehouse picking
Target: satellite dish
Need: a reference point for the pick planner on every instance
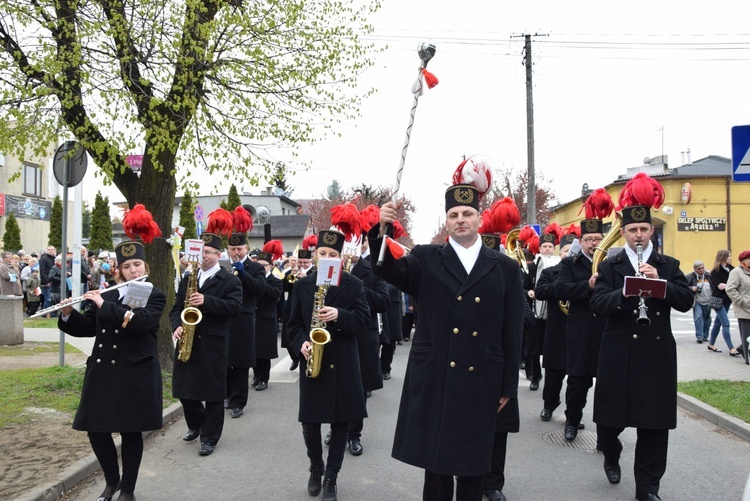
(263, 214)
(647, 160)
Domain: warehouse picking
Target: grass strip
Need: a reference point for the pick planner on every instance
(731, 397)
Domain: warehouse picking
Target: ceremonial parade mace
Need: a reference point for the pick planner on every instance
(426, 52)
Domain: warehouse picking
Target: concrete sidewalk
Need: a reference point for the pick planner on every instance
(695, 362)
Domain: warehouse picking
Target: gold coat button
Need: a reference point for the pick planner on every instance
(635, 312)
(658, 338)
(116, 331)
(471, 369)
(475, 333)
(100, 345)
(98, 360)
(104, 331)
(476, 299)
(113, 362)
(455, 330)
(453, 364)
(331, 366)
(114, 346)
(635, 336)
(460, 298)
(658, 313)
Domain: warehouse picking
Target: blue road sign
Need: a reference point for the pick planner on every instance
(538, 229)
(741, 153)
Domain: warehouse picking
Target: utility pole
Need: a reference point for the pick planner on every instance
(531, 176)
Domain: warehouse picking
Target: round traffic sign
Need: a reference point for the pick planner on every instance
(72, 154)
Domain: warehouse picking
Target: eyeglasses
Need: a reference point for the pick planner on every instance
(592, 240)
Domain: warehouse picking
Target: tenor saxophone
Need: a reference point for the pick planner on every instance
(319, 336)
(190, 316)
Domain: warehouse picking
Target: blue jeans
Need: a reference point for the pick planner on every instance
(721, 322)
(46, 295)
(702, 319)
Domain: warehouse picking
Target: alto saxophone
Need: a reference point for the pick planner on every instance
(190, 316)
(319, 336)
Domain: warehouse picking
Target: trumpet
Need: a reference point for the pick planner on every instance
(291, 277)
(80, 299)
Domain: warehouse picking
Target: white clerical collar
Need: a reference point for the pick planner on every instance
(633, 255)
(468, 256)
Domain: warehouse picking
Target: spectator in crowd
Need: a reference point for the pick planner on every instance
(719, 277)
(699, 283)
(33, 291)
(46, 263)
(10, 276)
(25, 274)
(738, 290)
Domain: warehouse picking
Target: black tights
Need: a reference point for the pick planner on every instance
(106, 452)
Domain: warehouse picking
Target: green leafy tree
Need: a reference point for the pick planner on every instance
(55, 224)
(233, 199)
(101, 224)
(12, 235)
(192, 84)
(187, 216)
(86, 221)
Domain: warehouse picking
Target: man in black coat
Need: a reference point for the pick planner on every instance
(575, 284)
(636, 385)
(242, 352)
(46, 263)
(465, 354)
(203, 377)
(266, 324)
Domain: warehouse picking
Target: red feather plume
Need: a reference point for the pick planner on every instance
(526, 234)
(503, 239)
(599, 204)
(573, 229)
(310, 243)
(398, 230)
(242, 220)
(139, 222)
(641, 190)
(274, 247)
(532, 244)
(488, 225)
(555, 229)
(476, 171)
(505, 215)
(369, 217)
(220, 222)
(345, 217)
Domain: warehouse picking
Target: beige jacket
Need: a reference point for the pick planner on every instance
(6, 286)
(738, 290)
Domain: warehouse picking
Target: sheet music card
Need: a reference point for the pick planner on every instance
(329, 271)
(646, 287)
(137, 294)
(193, 250)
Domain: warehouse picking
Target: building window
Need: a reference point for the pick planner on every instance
(32, 180)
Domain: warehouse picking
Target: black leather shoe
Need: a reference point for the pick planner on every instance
(108, 492)
(262, 385)
(355, 447)
(647, 496)
(314, 484)
(368, 394)
(294, 365)
(329, 489)
(237, 411)
(613, 472)
(254, 382)
(545, 415)
(206, 449)
(191, 435)
(534, 385)
(386, 376)
(494, 495)
(581, 426)
(571, 432)
(327, 440)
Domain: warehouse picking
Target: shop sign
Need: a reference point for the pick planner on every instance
(701, 224)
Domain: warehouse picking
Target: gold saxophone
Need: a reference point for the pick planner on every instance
(319, 336)
(191, 316)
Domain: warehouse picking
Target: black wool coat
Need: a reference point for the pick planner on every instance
(122, 387)
(336, 395)
(465, 355)
(204, 376)
(266, 320)
(368, 342)
(555, 349)
(583, 328)
(637, 380)
(242, 328)
(392, 318)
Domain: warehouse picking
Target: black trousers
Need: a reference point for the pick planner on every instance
(386, 356)
(534, 348)
(106, 453)
(262, 369)
(407, 322)
(440, 487)
(237, 386)
(650, 455)
(209, 417)
(495, 479)
(553, 381)
(336, 447)
(575, 397)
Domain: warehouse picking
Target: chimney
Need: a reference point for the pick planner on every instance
(682, 153)
(689, 157)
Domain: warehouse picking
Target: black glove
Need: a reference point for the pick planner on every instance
(239, 268)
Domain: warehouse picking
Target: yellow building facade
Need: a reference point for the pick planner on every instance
(704, 210)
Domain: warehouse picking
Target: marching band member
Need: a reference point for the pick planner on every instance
(266, 322)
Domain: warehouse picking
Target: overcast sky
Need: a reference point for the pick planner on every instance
(613, 84)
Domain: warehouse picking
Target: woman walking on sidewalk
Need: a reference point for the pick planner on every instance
(738, 290)
(719, 277)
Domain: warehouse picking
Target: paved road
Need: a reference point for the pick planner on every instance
(261, 455)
